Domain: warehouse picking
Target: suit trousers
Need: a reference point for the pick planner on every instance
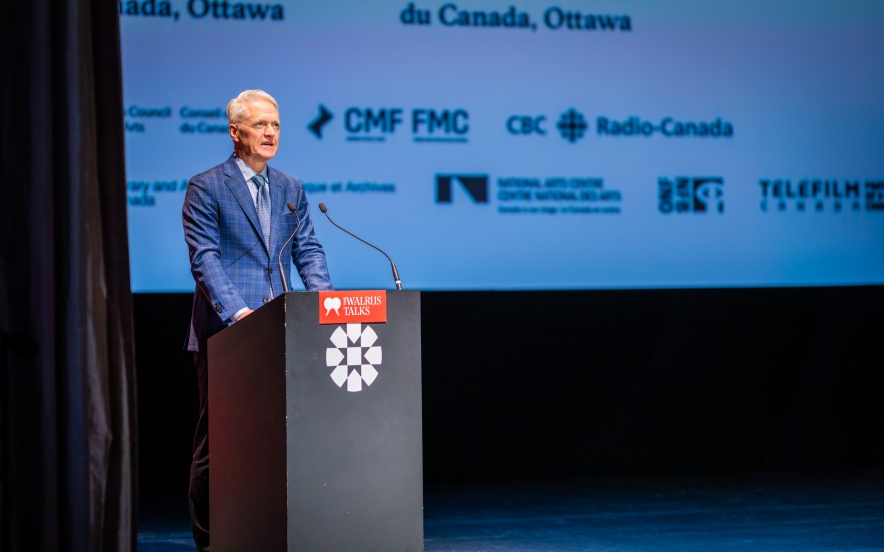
(198, 496)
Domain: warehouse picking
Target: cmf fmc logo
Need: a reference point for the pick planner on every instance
(377, 124)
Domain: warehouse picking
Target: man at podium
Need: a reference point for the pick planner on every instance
(243, 221)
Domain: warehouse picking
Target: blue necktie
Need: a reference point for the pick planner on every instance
(262, 205)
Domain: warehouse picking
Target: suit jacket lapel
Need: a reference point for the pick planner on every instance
(240, 190)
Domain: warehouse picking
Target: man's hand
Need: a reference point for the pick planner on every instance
(243, 315)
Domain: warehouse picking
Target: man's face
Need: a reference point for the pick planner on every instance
(257, 137)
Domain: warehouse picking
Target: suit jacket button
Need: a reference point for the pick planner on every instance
(267, 299)
(217, 308)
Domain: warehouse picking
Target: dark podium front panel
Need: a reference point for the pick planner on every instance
(315, 431)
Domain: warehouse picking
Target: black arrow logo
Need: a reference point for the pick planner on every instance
(317, 124)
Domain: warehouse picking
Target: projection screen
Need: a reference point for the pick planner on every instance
(528, 145)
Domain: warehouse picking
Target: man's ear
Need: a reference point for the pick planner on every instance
(234, 132)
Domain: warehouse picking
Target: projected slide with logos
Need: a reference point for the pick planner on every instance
(529, 145)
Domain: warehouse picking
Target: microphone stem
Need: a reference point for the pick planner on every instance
(293, 209)
(392, 264)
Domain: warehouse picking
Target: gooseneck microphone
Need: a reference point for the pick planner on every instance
(324, 210)
(285, 285)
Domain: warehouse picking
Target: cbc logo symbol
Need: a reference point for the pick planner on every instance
(526, 124)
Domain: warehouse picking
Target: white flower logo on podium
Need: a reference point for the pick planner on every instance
(354, 356)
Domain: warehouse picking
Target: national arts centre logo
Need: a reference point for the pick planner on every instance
(354, 357)
(474, 185)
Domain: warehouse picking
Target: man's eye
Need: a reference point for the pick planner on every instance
(260, 125)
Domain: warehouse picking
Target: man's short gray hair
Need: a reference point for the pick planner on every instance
(238, 109)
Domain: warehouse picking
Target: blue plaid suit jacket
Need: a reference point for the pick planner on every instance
(228, 257)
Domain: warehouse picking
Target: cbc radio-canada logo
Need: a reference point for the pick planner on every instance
(354, 357)
(573, 126)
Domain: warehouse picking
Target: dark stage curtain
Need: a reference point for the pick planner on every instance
(68, 378)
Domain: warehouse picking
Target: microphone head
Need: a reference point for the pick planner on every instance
(291, 206)
(322, 207)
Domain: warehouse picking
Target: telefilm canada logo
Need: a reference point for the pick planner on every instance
(685, 194)
(821, 195)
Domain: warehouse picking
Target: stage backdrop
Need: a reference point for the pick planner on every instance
(529, 144)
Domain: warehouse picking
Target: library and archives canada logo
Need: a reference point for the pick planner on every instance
(684, 194)
(354, 357)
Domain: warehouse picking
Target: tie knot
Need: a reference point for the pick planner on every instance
(259, 181)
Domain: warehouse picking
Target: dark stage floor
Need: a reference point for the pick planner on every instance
(685, 513)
